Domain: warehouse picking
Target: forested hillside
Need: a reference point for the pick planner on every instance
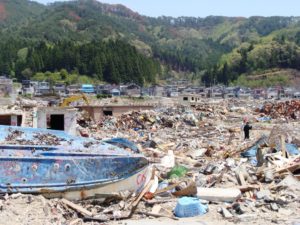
(112, 61)
(114, 44)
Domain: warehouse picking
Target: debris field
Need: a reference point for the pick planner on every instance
(202, 167)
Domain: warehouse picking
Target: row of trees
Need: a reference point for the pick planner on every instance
(63, 76)
(112, 61)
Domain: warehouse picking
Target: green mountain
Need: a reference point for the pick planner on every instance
(18, 12)
(213, 48)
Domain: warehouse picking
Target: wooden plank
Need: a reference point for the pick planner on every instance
(241, 178)
(163, 200)
(135, 203)
(231, 137)
(77, 208)
(283, 148)
(219, 194)
(248, 187)
(141, 195)
(89, 218)
(243, 183)
(219, 177)
(290, 168)
(76, 221)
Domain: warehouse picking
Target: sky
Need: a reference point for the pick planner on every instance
(203, 8)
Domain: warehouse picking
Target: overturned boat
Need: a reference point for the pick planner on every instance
(55, 164)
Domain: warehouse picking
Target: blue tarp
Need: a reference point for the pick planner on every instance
(251, 152)
(123, 143)
(292, 149)
(264, 119)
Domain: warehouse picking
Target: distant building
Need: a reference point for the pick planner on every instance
(259, 93)
(296, 95)
(215, 92)
(6, 87)
(59, 89)
(189, 99)
(43, 88)
(73, 89)
(245, 93)
(35, 88)
(28, 87)
(87, 88)
(145, 91)
(123, 89)
(98, 112)
(133, 90)
(157, 90)
(172, 90)
(182, 82)
(290, 92)
(104, 89)
(272, 94)
(115, 92)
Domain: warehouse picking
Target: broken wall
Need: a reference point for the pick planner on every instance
(98, 112)
(69, 118)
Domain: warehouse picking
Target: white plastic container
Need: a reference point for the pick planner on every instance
(168, 161)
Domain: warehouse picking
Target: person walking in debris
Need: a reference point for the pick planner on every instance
(247, 129)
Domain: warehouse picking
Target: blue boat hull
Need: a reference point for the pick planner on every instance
(66, 168)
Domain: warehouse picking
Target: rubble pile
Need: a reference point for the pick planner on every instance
(150, 119)
(197, 153)
(212, 111)
(15, 137)
(47, 139)
(287, 109)
(34, 210)
(202, 166)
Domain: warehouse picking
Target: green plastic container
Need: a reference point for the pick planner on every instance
(177, 172)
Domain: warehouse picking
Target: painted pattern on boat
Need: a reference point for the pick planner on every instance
(70, 167)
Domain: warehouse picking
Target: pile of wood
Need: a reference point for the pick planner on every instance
(287, 109)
